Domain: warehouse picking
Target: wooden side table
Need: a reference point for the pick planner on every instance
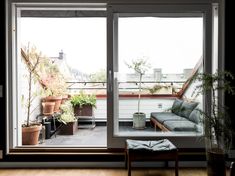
(159, 150)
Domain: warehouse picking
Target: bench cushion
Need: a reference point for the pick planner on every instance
(183, 125)
(165, 116)
(186, 108)
(176, 106)
(195, 116)
(153, 146)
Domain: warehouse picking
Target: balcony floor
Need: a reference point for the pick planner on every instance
(96, 137)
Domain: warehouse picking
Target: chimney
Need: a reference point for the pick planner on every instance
(61, 55)
(187, 72)
(157, 74)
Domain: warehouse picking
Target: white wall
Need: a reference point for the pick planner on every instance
(128, 106)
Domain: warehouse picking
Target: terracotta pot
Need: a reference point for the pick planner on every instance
(64, 98)
(85, 110)
(48, 108)
(30, 134)
(216, 163)
(56, 99)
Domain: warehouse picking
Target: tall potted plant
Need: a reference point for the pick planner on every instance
(140, 66)
(55, 85)
(217, 126)
(31, 130)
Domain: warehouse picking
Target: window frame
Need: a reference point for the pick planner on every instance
(118, 142)
(184, 141)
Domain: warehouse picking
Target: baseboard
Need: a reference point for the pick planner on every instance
(98, 164)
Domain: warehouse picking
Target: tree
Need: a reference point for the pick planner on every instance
(99, 76)
(217, 127)
(140, 66)
(32, 59)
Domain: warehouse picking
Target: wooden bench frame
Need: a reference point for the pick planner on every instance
(140, 155)
(157, 124)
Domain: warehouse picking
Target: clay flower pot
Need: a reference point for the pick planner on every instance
(56, 99)
(64, 98)
(30, 134)
(48, 108)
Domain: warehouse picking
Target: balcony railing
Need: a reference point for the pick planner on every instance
(128, 95)
(130, 87)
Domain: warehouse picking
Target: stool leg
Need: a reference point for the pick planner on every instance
(129, 165)
(176, 165)
(125, 159)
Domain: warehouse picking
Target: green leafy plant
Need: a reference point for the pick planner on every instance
(67, 114)
(83, 99)
(140, 66)
(217, 123)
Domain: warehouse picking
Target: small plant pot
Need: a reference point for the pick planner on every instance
(85, 110)
(69, 129)
(56, 99)
(30, 134)
(139, 120)
(48, 108)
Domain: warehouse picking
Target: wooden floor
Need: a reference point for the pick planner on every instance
(101, 172)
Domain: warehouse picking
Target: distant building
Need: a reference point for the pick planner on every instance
(158, 76)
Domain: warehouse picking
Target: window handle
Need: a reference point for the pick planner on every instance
(110, 88)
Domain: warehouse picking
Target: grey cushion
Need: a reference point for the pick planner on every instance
(165, 116)
(176, 106)
(187, 108)
(153, 146)
(184, 125)
(195, 116)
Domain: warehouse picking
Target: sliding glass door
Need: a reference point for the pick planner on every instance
(153, 52)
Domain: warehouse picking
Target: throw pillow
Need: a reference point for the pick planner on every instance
(187, 108)
(195, 116)
(176, 106)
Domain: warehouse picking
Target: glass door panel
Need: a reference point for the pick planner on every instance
(153, 53)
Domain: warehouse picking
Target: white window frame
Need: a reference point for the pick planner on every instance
(14, 135)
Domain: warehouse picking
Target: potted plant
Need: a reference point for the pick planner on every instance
(83, 104)
(55, 85)
(140, 66)
(217, 127)
(31, 130)
(68, 119)
(157, 87)
(48, 108)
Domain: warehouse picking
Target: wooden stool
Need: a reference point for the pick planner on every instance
(137, 150)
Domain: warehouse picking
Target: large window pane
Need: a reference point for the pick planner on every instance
(170, 51)
(72, 54)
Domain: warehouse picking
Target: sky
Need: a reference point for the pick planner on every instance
(168, 43)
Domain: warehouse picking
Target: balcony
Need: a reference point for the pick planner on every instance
(128, 96)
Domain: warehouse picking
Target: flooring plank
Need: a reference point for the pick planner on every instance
(102, 172)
